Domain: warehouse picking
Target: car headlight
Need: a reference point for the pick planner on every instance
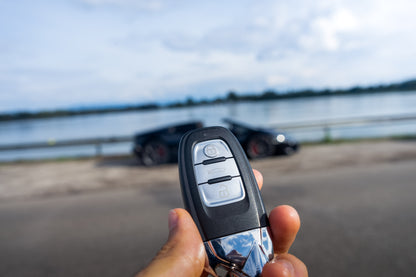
(280, 138)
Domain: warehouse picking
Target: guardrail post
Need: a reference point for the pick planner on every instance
(98, 149)
(327, 133)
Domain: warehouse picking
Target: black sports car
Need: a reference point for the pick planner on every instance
(161, 146)
(261, 142)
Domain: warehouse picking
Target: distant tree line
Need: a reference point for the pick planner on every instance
(232, 96)
(73, 112)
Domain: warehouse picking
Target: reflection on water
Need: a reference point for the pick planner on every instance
(255, 113)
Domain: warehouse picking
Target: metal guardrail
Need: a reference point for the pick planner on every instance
(325, 125)
(97, 142)
(344, 122)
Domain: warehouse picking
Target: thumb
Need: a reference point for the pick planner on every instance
(183, 254)
(285, 265)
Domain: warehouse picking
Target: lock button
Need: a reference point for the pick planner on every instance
(210, 149)
(222, 193)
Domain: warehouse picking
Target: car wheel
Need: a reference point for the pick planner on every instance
(258, 147)
(154, 153)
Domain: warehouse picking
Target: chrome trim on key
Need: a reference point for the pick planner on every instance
(241, 254)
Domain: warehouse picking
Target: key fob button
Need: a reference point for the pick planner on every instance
(222, 193)
(203, 173)
(210, 149)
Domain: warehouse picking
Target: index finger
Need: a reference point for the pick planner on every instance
(284, 225)
(259, 178)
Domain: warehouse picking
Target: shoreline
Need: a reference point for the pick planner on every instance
(231, 97)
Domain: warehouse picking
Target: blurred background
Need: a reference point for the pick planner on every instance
(81, 81)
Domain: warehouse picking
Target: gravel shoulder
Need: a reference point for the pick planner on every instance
(53, 178)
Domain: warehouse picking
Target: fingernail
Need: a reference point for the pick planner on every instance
(173, 220)
(287, 266)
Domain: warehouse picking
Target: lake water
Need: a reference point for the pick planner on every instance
(265, 113)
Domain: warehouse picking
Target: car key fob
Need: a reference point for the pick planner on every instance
(220, 192)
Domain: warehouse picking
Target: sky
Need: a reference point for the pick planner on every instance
(57, 54)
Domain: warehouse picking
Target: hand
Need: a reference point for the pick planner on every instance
(184, 252)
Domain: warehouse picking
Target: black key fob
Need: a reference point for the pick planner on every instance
(220, 192)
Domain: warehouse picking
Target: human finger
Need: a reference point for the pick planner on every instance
(183, 254)
(285, 265)
(259, 178)
(284, 225)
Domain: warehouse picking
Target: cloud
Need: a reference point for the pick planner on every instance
(276, 80)
(57, 53)
(271, 33)
(145, 5)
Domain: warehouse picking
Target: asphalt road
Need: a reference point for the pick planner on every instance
(356, 221)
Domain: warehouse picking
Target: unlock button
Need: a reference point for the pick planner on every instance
(203, 173)
(222, 193)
